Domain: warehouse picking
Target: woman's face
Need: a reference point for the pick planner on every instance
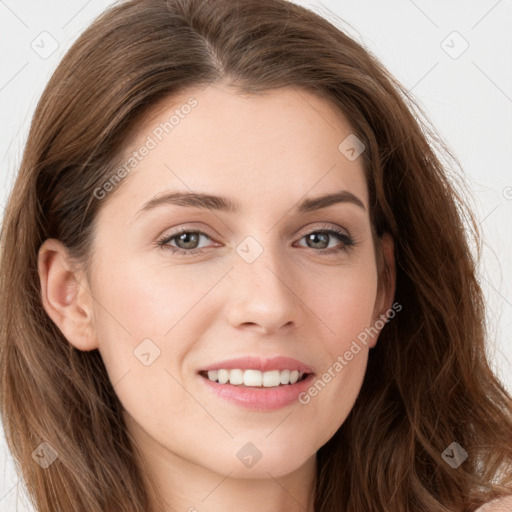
(262, 280)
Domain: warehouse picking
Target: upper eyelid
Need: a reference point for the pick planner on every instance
(205, 232)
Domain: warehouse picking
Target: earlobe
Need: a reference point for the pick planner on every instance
(64, 296)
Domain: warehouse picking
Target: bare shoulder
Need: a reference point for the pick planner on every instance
(499, 505)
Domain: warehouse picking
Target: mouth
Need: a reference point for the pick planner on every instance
(256, 383)
(255, 378)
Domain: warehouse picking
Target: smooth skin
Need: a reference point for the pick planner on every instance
(267, 153)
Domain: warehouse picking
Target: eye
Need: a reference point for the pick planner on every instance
(187, 241)
(320, 240)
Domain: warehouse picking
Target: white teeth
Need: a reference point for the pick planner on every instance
(223, 376)
(252, 378)
(271, 379)
(236, 377)
(255, 378)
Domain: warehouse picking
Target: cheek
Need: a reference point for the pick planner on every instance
(143, 307)
(147, 299)
(345, 303)
(144, 336)
(337, 383)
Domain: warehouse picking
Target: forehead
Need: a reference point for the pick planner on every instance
(264, 149)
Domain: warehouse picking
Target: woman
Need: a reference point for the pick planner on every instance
(235, 275)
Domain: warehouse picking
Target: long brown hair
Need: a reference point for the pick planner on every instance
(428, 381)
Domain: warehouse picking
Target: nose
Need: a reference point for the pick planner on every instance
(263, 295)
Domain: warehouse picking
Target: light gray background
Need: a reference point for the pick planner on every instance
(466, 94)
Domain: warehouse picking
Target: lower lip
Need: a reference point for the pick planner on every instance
(260, 398)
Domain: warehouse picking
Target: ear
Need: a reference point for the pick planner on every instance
(387, 284)
(65, 295)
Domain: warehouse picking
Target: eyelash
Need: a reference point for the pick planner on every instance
(348, 242)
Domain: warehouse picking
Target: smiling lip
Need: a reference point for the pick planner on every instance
(261, 364)
(259, 398)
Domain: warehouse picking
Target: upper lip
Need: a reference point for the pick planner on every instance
(260, 363)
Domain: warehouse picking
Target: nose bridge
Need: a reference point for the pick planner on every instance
(263, 285)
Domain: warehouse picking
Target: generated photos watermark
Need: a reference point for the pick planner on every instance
(343, 359)
(151, 142)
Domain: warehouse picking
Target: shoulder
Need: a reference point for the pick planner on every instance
(499, 505)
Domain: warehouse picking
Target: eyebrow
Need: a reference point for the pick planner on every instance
(225, 204)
